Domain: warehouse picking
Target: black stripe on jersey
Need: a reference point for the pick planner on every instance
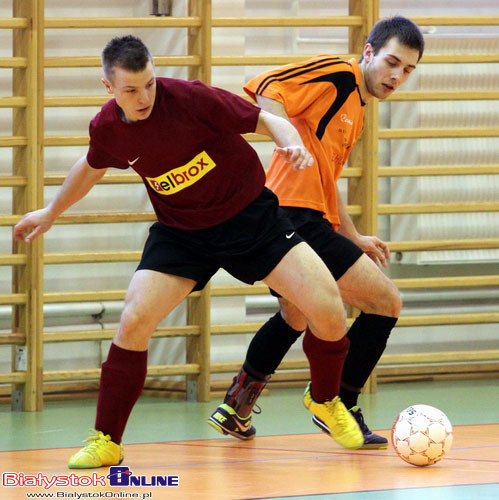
(304, 69)
(345, 84)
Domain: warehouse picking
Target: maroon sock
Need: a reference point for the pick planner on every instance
(122, 380)
(326, 361)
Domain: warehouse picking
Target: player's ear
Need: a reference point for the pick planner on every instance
(368, 52)
(107, 84)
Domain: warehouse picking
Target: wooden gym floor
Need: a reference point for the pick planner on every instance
(288, 458)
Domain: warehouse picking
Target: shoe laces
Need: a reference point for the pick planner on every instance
(339, 412)
(95, 440)
(360, 420)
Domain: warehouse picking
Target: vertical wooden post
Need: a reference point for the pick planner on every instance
(27, 161)
(198, 309)
(199, 41)
(363, 191)
(198, 348)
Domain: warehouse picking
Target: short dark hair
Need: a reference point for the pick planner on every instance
(126, 52)
(407, 32)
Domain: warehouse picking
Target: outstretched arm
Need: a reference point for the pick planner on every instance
(80, 179)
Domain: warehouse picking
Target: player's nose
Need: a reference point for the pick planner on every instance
(143, 98)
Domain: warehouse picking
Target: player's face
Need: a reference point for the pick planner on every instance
(134, 92)
(384, 72)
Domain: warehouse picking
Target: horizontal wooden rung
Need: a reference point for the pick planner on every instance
(285, 21)
(75, 101)
(456, 20)
(444, 95)
(461, 58)
(94, 373)
(436, 369)
(9, 141)
(13, 259)
(432, 245)
(13, 298)
(14, 22)
(440, 357)
(109, 178)
(426, 170)
(106, 217)
(93, 257)
(12, 338)
(264, 60)
(13, 180)
(95, 61)
(13, 102)
(13, 62)
(421, 320)
(13, 378)
(107, 334)
(438, 208)
(440, 132)
(447, 282)
(122, 22)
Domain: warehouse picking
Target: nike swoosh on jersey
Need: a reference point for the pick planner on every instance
(132, 162)
(289, 236)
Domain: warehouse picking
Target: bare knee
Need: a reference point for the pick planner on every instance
(389, 302)
(329, 323)
(326, 318)
(135, 328)
(396, 302)
(379, 296)
(292, 315)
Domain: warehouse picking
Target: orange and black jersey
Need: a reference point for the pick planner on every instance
(321, 97)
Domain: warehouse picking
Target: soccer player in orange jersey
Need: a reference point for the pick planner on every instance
(324, 98)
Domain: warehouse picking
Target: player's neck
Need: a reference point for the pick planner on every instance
(365, 95)
(123, 116)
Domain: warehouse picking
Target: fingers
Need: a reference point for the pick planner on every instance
(19, 231)
(381, 258)
(298, 156)
(381, 252)
(31, 236)
(27, 230)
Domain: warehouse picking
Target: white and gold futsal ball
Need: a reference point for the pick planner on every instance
(422, 435)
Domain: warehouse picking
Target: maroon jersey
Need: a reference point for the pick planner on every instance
(197, 168)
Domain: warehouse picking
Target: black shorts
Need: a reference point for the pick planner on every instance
(337, 252)
(249, 245)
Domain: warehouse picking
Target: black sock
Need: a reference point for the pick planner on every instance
(269, 346)
(368, 337)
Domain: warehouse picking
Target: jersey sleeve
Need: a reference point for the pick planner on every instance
(97, 156)
(222, 110)
(296, 85)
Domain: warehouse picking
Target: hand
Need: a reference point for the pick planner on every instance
(297, 155)
(374, 248)
(32, 225)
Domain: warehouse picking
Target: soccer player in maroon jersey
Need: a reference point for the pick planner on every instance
(207, 187)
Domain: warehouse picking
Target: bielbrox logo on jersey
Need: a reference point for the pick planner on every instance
(181, 177)
(123, 476)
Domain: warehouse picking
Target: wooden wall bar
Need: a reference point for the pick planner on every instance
(28, 139)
